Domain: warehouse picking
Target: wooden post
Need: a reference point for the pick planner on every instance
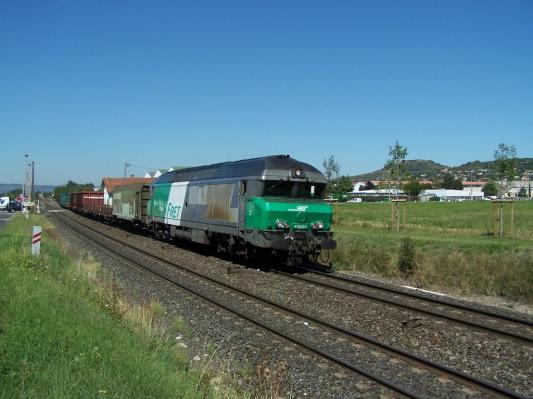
(396, 215)
(498, 225)
(500, 233)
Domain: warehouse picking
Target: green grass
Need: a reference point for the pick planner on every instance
(59, 338)
(453, 248)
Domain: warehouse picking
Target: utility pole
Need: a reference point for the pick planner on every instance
(126, 164)
(24, 183)
(33, 180)
(529, 184)
(471, 196)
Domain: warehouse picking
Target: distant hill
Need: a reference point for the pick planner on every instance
(415, 167)
(427, 169)
(5, 188)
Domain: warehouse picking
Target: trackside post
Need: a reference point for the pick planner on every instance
(36, 241)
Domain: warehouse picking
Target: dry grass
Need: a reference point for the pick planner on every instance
(453, 251)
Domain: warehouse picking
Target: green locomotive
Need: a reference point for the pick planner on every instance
(270, 205)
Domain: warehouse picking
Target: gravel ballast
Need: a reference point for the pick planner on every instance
(498, 360)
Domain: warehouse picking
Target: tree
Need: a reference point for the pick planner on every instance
(368, 186)
(490, 189)
(73, 187)
(504, 167)
(396, 162)
(343, 185)
(522, 193)
(14, 193)
(451, 183)
(413, 188)
(331, 168)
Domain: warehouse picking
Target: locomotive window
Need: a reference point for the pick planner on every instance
(278, 188)
(292, 189)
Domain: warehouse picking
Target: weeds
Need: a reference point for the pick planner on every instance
(406, 257)
(448, 248)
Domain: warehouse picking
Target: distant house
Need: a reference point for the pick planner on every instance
(158, 172)
(451, 195)
(154, 174)
(377, 193)
(109, 184)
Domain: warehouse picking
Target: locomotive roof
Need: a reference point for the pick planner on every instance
(272, 167)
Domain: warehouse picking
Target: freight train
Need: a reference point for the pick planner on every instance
(269, 206)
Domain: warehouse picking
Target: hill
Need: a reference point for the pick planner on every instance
(5, 188)
(427, 169)
(415, 167)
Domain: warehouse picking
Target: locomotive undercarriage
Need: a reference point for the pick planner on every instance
(291, 247)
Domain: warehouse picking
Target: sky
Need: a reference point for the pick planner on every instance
(86, 86)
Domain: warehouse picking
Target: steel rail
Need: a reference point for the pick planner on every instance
(459, 375)
(330, 357)
(413, 295)
(528, 339)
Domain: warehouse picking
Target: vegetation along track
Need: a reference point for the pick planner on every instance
(483, 320)
(394, 368)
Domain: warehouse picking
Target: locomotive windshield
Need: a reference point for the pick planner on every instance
(292, 189)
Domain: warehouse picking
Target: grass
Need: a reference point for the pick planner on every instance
(453, 249)
(66, 333)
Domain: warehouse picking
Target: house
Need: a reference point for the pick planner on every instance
(451, 195)
(109, 184)
(158, 172)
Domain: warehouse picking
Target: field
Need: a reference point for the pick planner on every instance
(451, 246)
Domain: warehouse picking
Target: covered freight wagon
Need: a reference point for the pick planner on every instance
(64, 200)
(130, 202)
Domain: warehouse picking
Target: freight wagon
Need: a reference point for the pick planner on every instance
(91, 203)
(130, 203)
(64, 200)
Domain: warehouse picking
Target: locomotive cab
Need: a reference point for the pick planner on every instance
(288, 216)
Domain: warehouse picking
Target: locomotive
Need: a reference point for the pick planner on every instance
(270, 206)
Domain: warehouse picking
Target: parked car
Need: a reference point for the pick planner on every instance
(14, 206)
(4, 202)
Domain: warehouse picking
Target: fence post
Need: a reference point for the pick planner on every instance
(36, 241)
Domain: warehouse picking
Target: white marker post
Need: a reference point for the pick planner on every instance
(36, 241)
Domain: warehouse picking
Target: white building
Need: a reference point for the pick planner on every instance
(452, 195)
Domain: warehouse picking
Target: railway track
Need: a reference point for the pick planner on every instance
(479, 319)
(396, 369)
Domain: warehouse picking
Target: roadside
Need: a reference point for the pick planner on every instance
(5, 217)
(66, 332)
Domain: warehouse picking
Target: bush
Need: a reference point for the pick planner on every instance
(406, 258)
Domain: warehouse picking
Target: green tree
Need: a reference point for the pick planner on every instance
(490, 189)
(396, 162)
(368, 186)
(14, 193)
(343, 185)
(451, 183)
(504, 167)
(331, 168)
(73, 187)
(413, 188)
(522, 193)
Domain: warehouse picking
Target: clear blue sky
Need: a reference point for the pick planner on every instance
(85, 86)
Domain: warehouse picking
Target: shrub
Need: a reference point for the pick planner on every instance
(406, 258)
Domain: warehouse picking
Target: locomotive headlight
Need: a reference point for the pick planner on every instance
(281, 225)
(318, 226)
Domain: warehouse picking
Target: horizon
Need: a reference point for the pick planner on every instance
(87, 87)
(96, 184)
